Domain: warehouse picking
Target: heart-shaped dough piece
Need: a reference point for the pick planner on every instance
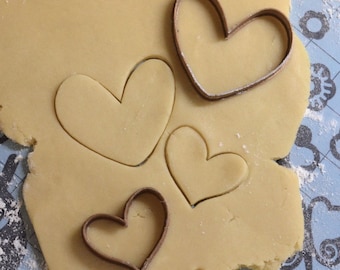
(198, 175)
(125, 130)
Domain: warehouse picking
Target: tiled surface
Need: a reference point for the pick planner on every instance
(315, 155)
(317, 148)
(17, 250)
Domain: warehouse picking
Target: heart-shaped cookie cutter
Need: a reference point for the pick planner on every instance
(124, 222)
(280, 17)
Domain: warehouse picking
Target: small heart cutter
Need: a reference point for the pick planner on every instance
(227, 34)
(124, 222)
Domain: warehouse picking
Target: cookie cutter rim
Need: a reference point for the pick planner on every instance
(276, 14)
(124, 222)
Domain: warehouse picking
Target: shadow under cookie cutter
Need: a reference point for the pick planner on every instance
(279, 16)
(123, 221)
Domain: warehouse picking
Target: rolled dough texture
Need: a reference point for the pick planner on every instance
(98, 89)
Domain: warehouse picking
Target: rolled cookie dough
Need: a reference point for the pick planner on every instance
(98, 89)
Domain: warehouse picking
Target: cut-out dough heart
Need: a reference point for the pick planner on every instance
(125, 130)
(123, 221)
(228, 33)
(198, 175)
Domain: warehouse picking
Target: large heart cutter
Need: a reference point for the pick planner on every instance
(280, 17)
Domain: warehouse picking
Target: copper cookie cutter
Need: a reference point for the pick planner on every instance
(280, 17)
(123, 221)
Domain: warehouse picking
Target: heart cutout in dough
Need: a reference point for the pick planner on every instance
(198, 175)
(125, 130)
(123, 222)
(228, 33)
